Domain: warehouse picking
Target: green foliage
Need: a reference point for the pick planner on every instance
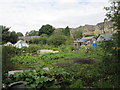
(69, 41)
(57, 40)
(46, 29)
(32, 33)
(19, 34)
(77, 84)
(8, 36)
(66, 31)
(89, 35)
(108, 67)
(66, 48)
(41, 78)
(5, 35)
(13, 37)
(77, 34)
(43, 39)
(108, 82)
(34, 41)
(113, 13)
(7, 53)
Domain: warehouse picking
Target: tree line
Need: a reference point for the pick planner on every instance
(45, 31)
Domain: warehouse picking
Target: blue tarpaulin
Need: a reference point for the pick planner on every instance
(94, 44)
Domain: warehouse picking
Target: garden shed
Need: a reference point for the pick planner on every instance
(21, 44)
(84, 41)
(104, 37)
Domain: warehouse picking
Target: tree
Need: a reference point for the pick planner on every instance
(8, 36)
(46, 29)
(19, 34)
(77, 34)
(113, 14)
(109, 66)
(13, 37)
(41, 40)
(5, 34)
(66, 31)
(57, 39)
(32, 33)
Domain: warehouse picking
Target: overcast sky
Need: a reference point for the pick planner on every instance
(27, 15)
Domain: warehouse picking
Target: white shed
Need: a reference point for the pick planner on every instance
(104, 37)
(21, 44)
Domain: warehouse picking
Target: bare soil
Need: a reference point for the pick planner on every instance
(76, 60)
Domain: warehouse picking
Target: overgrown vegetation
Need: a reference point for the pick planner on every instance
(99, 68)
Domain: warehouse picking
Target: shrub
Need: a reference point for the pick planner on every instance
(77, 84)
(66, 48)
(57, 40)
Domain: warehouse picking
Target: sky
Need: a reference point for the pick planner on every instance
(27, 15)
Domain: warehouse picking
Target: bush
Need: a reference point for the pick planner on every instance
(66, 48)
(57, 40)
(7, 53)
(77, 84)
(10, 51)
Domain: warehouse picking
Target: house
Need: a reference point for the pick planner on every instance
(104, 37)
(88, 30)
(84, 41)
(21, 44)
(99, 28)
(104, 27)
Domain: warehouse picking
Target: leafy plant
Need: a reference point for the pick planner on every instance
(77, 84)
(40, 78)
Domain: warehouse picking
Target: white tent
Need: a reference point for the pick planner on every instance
(21, 44)
(8, 44)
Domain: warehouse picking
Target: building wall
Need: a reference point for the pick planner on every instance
(85, 31)
(98, 30)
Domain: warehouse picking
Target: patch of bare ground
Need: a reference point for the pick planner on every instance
(76, 60)
(63, 64)
(82, 60)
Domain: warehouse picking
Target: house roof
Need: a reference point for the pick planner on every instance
(101, 25)
(28, 37)
(84, 39)
(88, 37)
(90, 27)
(80, 40)
(104, 37)
(110, 24)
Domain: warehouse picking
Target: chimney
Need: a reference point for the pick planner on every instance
(105, 20)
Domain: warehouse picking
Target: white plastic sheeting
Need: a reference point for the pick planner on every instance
(43, 51)
(21, 44)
